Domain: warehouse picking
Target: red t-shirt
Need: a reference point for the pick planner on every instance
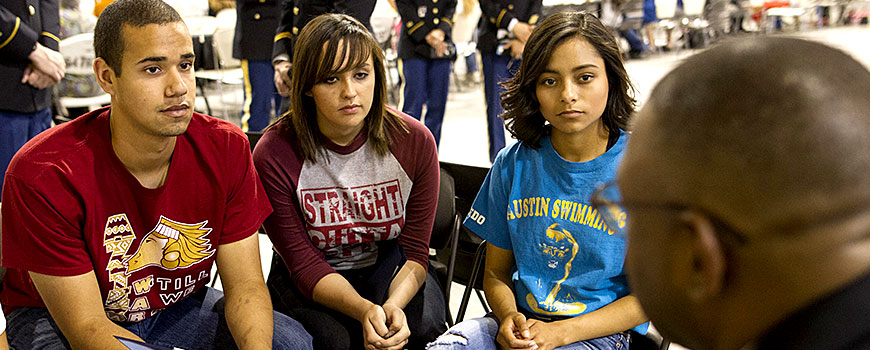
(70, 207)
(330, 214)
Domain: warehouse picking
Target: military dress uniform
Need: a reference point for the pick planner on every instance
(497, 20)
(285, 32)
(24, 110)
(295, 14)
(425, 78)
(255, 28)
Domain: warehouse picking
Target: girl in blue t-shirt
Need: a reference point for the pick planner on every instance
(554, 270)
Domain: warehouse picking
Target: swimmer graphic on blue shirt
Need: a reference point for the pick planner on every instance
(559, 245)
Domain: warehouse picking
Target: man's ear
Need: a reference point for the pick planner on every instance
(105, 75)
(708, 257)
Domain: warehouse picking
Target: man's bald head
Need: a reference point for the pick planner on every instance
(767, 140)
(774, 131)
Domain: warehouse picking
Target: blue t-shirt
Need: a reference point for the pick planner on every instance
(536, 204)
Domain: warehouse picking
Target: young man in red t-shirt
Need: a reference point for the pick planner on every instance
(112, 222)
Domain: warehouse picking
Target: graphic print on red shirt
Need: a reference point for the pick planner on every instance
(171, 245)
(70, 207)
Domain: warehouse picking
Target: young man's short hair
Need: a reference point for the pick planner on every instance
(108, 33)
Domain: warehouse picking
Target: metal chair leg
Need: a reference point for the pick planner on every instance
(482, 300)
(451, 265)
(665, 344)
(201, 85)
(472, 280)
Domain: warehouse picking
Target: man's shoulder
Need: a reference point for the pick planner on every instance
(221, 133)
(212, 123)
(70, 143)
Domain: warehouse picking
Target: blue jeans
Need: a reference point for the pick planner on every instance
(426, 82)
(333, 330)
(15, 130)
(480, 333)
(196, 322)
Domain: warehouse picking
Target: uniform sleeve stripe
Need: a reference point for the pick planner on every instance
(14, 31)
(51, 36)
(500, 16)
(449, 22)
(411, 31)
(283, 35)
(533, 19)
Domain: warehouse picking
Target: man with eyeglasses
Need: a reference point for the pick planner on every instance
(746, 197)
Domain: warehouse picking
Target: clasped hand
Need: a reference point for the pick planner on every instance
(521, 32)
(516, 332)
(385, 327)
(282, 78)
(435, 39)
(516, 48)
(46, 68)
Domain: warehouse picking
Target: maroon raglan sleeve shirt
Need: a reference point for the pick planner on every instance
(329, 215)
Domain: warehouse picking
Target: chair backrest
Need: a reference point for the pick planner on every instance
(78, 52)
(189, 8)
(445, 213)
(223, 45)
(467, 180)
(383, 28)
(222, 38)
(693, 7)
(79, 81)
(666, 8)
(226, 17)
(253, 137)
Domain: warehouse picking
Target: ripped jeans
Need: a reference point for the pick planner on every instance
(480, 333)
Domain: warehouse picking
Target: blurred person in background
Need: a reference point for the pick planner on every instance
(426, 54)
(632, 15)
(252, 44)
(504, 29)
(465, 37)
(215, 6)
(73, 22)
(29, 65)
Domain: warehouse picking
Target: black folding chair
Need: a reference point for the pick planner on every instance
(458, 253)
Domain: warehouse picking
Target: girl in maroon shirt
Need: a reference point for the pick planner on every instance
(354, 185)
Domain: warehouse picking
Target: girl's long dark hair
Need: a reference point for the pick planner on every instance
(522, 111)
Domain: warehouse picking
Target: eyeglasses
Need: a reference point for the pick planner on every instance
(607, 200)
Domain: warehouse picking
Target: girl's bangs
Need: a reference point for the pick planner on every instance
(354, 52)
